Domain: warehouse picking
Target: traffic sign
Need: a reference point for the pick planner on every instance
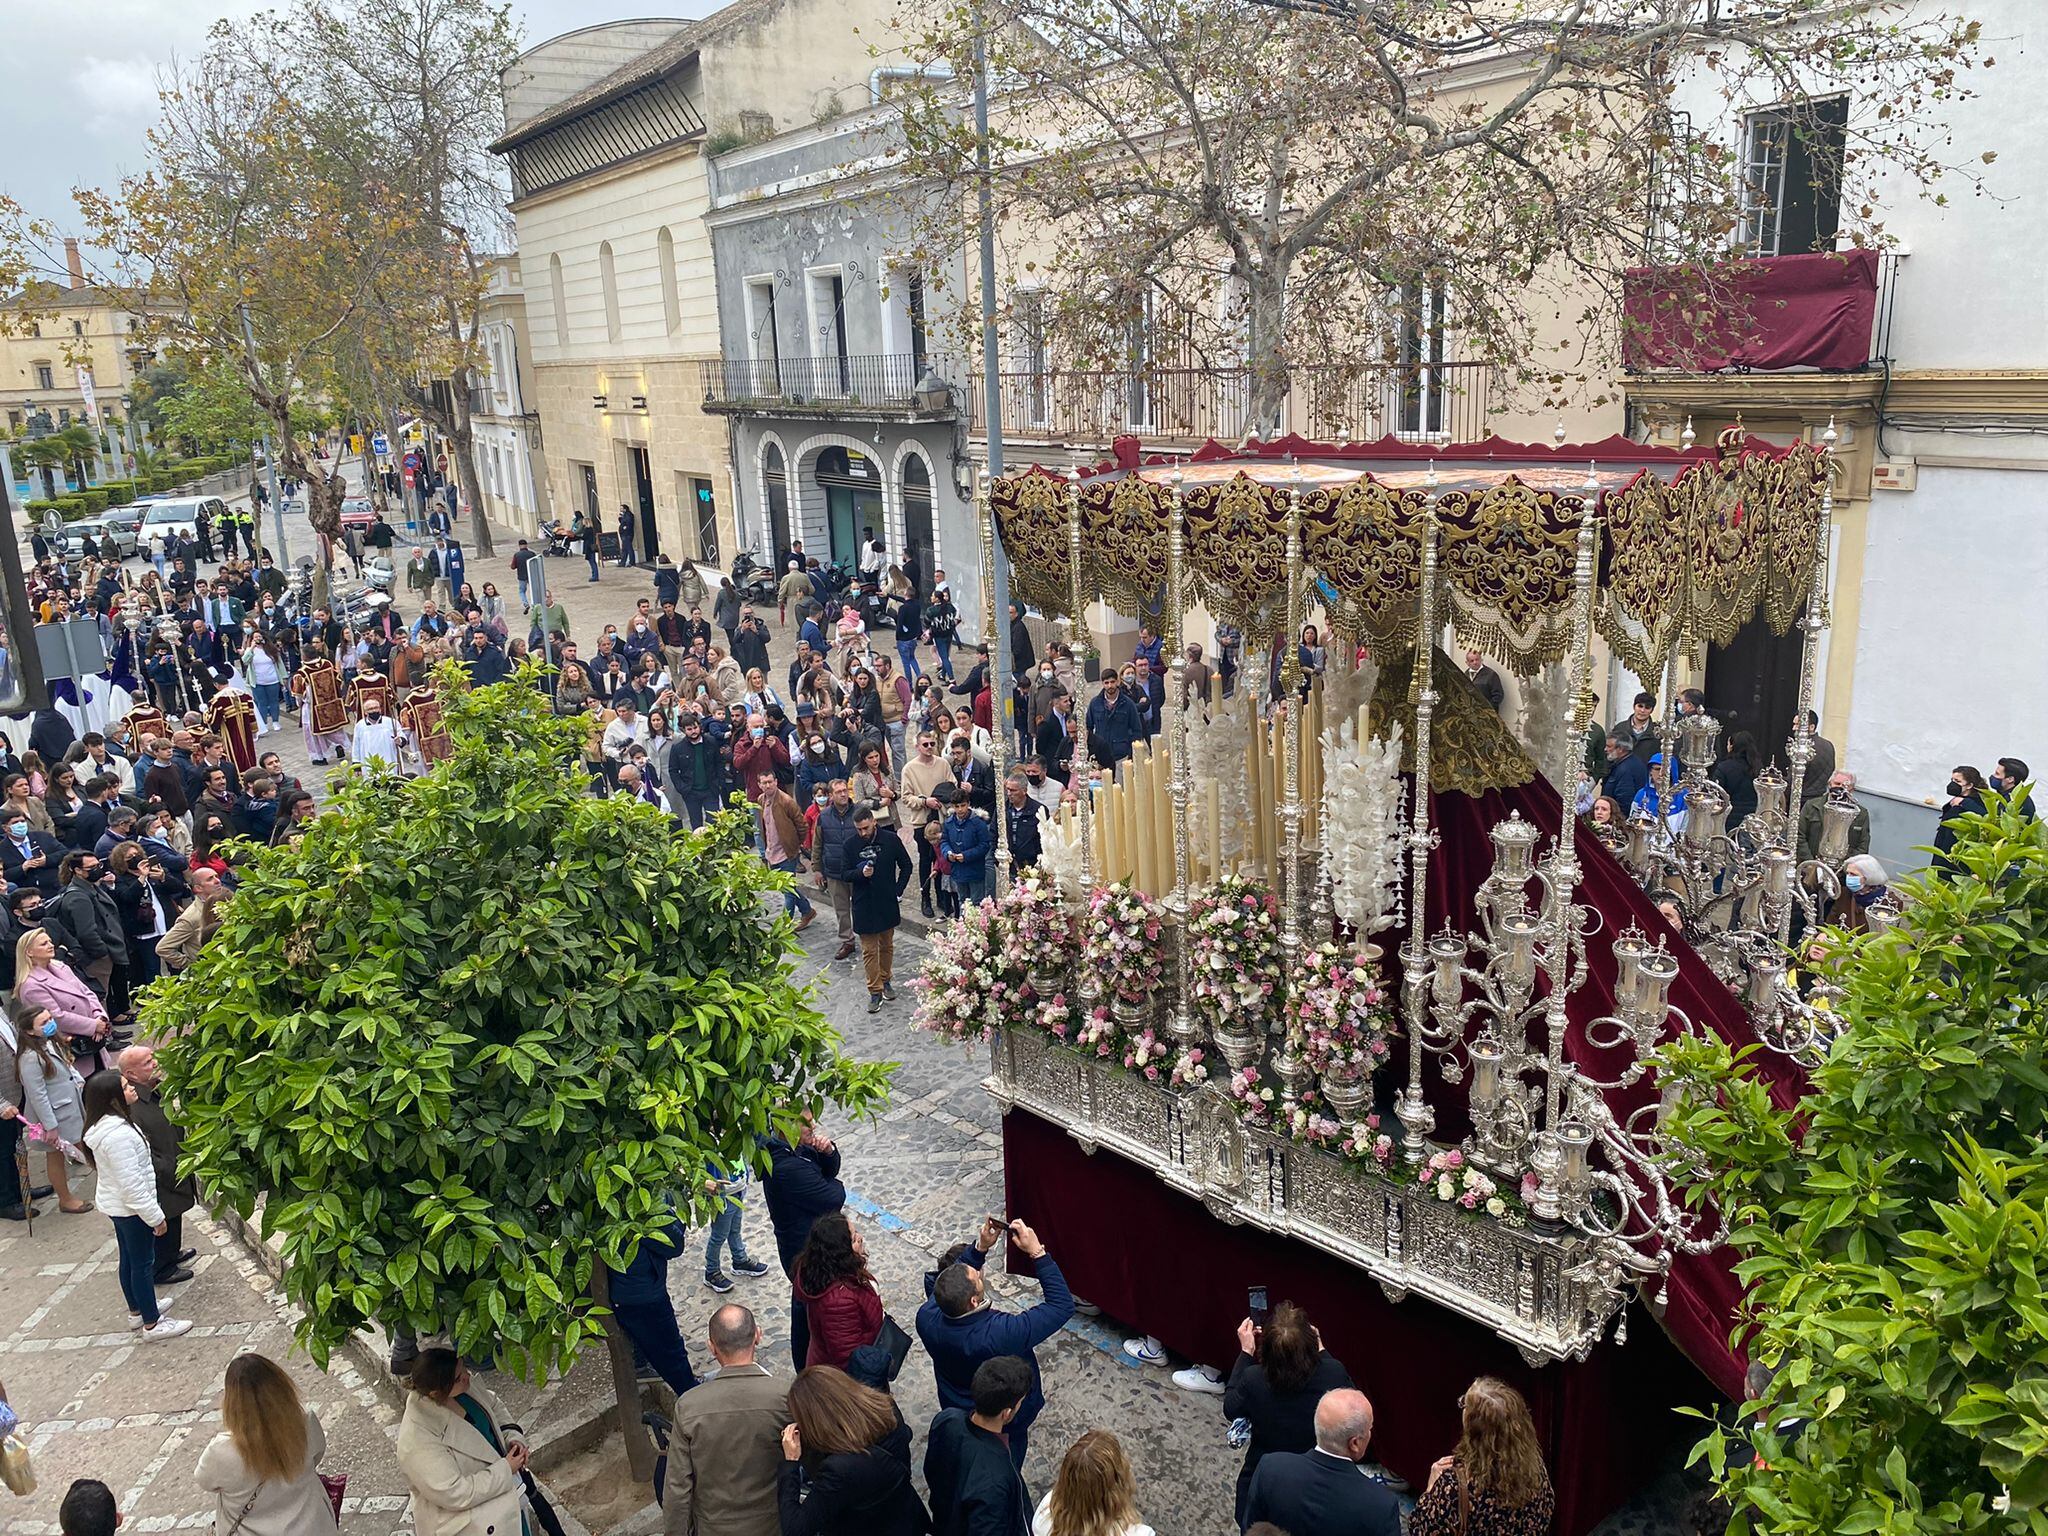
(412, 460)
(355, 442)
(408, 477)
(380, 443)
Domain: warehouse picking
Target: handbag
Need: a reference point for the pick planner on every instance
(16, 1471)
(890, 1336)
(336, 1484)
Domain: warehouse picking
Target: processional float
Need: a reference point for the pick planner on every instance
(1215, 1011)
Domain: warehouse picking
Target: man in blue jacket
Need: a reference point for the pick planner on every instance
(968, 840)
(960, 1329)
(1113, 723)
(646, 1315)
(802, 1185)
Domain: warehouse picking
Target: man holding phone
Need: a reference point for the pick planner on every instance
(961, 1329)
(878, 871)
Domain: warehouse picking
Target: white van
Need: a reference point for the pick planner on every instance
(179, 514)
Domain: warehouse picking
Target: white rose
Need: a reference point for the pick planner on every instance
(1445, 1189)
(1496, 1207)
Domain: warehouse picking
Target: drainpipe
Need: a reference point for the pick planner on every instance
(884, 72)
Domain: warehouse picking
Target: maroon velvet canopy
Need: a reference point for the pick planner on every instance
(1812, 311)
(1131, 1245)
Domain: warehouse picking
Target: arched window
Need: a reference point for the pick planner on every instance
(775, 481)
(608, 275)
(919, 555)
(671, 299)
(561, 303)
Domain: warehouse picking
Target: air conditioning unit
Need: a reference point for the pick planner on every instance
(1894, 475)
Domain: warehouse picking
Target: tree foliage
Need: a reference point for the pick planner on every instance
(478, 1028)
(1263, 180)
(1893, 1229)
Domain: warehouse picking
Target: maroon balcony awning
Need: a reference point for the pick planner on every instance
(1774, 312)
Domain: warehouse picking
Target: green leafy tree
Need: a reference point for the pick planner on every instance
(45, 455)
(1893, 1229)
(474, 1033)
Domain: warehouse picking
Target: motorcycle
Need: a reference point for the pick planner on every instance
(756, 582)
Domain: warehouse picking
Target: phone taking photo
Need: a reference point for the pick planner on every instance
(1257, 1307)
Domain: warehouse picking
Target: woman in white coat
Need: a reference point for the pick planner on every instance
(127, 1194)
(460, 1458)
(260, 1467)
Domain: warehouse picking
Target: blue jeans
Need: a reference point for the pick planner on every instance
(943, 644)
(972, 891)
(701, 805)
(592, 557)
(138, 1266)
(907, 650)
(269, 696)
(651, 1325)
(525, 602)
(725, 1231)
(793, 900)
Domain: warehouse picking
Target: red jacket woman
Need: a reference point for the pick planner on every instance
(838, 1293)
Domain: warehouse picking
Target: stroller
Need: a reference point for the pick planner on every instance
(557, 536)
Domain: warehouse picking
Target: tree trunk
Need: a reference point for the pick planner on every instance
(1265, 348)
(462, 450)
(323, 504)
(373, 487)
(625, 1382)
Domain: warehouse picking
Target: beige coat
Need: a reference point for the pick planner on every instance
(460, 1486)
(725, 1455)
(296, 1508)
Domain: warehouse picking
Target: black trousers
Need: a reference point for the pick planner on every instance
(11, 1191)
(170, 1242)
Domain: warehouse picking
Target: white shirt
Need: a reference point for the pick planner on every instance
(623, 733)
(375, 741)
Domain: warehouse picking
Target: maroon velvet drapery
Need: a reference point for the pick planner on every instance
(1815, 311)
(1157, 1260)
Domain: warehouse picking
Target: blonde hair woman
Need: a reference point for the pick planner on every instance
(1494, 1484)
(260, 1467)
(1093, 1494)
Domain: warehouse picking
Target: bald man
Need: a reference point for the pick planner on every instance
(143, 1079)
(1325, 1492)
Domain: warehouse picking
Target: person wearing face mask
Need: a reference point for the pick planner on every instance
(1964, 797)
(29, 857)
(759, 751)
(1864, 883)
(84, 922)
(2009, 778)
(1840, 782)
(1040, 785)
(50, 1089)
(375, 738)
(1045, 687)
(820, 762)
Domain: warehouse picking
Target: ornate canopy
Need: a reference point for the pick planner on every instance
(1693, 543)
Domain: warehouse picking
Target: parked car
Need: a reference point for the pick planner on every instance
(178, 514)
(94, 529)
(357, 512)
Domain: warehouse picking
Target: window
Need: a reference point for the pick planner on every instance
(1029, 309)
(1419, 385)
(671, 298)
(828, 332)
(78, 327)
(1792, 178)
(608, 276)
(560, 301)
(45, 377)
(705, 503)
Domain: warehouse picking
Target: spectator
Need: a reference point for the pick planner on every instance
(1658, 802)
(200, 920)
(127, 1194)
(1859, 829)
(961, 1329)
(1864, 884)
(1485, 679)
(1740, 762)
(84, 922)
(1093, 1494)
(833, 842)
(1964, 797)
(88, 1509)
(1627, 773)
(1638, 728)
(43, 981)
(2010, 779)
(464, 1464)
(1113, 724)
(15, 1200)
(1821, 766)
(725, 1449)
(802, 1185)
(968, 842)
(1281, 1373)
(880, 873)
(840, 1299)
(260, 1468)
(975, 1485)
(782, 842)
(1494, 1483)
(851, 1444)
(693, 774)
(1055, 741)
(973, 780)
(1023, 819)
(646, 1315)
(1320, 1492)
(731, 1188)
(176, 1193)
(50, 1101)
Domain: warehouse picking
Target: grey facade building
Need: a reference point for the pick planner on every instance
(844, 414)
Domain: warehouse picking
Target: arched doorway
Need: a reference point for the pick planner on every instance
(917, 521)
(853, 500)
(776, 480)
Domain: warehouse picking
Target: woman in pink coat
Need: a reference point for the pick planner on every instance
(44, 981)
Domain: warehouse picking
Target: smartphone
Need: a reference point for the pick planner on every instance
(1256, 1306)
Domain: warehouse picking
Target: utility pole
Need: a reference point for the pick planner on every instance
(1003, 693)
(269, 455)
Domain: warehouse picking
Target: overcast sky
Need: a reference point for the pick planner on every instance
(78, 80)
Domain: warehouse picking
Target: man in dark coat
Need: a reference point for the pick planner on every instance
(1324, 1492)
(1627, 773)
(176, 1194)
(50, 735)
(961, 1331)
(1023, 817)
(1056, 736)
(802, 1185)
(976, 1488)
(30, 859)
(1113, 723)
(878, 869)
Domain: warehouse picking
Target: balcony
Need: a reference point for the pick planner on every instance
(1435, 402)
(1769, 314)
(875, 386)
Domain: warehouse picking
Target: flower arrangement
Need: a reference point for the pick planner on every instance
(1253, 1093)
(1036, 930)
(1454, 1181)
(1143, 1053)
(1233, 937)
(1190, 1068)
(1121, 942)
(962, 975)
(1344, 1019)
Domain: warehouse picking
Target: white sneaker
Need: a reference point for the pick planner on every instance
(135, 1318)
(1146, 1351)
(1199, 1378)
(167, 1328)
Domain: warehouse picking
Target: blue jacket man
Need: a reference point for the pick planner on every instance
(802, 1185)
(640, 1301)
(836, 836)
(1113, 723)
(967, 839)
(960, 1329)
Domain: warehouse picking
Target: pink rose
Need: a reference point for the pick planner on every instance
(1454, 1159)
